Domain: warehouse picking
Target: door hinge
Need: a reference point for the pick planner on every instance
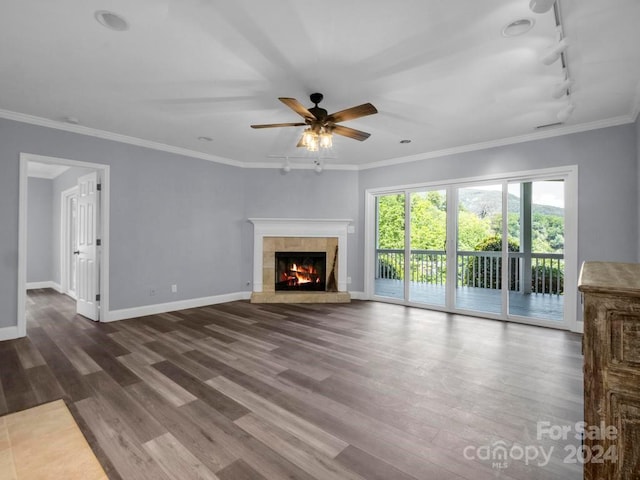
(98, 242)
(98, 297)
(99, 187)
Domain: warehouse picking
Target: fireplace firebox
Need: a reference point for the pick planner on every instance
(304, 271)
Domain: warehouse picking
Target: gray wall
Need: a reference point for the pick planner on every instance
(174, 219)
(181, 220)
(607, 182)
(638, 179)
(300, 194)
(39, 230)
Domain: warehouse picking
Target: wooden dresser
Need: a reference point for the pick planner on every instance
(611, 346)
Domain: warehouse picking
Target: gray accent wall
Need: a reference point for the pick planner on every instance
(39, 230)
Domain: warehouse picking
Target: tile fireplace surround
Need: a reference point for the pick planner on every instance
(297, 235)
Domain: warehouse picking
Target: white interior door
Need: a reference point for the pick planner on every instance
(87, 303)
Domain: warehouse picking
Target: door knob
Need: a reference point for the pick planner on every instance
(77, 252)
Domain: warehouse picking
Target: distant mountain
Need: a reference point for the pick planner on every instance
(489, 202)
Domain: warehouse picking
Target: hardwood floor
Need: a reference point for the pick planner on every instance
(317, 391)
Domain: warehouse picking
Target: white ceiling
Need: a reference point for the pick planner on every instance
(45, 170)
(439, 72)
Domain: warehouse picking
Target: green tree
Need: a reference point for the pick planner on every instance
(391, 221)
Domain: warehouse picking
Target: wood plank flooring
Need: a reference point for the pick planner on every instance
(317, 391)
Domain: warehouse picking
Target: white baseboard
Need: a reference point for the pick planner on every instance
(358, 296)
(47, 284)
(9, 333)
(134, 312)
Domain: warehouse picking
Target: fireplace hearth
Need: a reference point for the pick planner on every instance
(300, 271)
(304, 237)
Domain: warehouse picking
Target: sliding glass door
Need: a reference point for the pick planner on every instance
(390, 246)
(479, 249)
(427, 254)
(536, 226)
(492, 249)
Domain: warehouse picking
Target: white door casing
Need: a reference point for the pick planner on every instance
(87, 252)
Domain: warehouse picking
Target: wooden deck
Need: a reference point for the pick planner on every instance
(365, 390)
(540, 306)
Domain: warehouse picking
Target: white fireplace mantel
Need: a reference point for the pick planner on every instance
(299, 227)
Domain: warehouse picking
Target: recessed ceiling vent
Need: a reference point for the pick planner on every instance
(518, 27)
(111, 20)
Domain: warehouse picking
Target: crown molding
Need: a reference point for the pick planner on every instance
(540, 135)
(301, 166)
(116, 137)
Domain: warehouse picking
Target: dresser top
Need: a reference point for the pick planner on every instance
(610, 277)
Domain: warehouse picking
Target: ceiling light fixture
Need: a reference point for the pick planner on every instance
(111, 20)
(554, 53)
(541, 6)
(565, 113)
(315, 139)
(318, 166)
(518, 27)
(562, 89)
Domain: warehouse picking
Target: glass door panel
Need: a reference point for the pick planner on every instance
(428, 260)
(390, 246)
(536, 263)
(479, 249)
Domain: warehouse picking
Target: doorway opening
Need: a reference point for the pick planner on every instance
(90, 235)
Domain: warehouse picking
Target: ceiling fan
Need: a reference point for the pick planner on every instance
(320, 124)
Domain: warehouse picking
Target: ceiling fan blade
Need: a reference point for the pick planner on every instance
(353, 112)
(350, 132)
(272, 125)
(297, 107)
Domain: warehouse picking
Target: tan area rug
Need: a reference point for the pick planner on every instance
(44, 442)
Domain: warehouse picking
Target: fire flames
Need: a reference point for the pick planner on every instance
(299, 274)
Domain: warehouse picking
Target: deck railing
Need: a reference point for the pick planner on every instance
(475, 269)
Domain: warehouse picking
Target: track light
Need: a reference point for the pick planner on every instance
(318, 166)
(554, 54)
(541, 6)
(565, 113)
(561, 89)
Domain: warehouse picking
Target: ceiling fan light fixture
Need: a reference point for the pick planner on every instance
(326, 140)
(541, 6)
